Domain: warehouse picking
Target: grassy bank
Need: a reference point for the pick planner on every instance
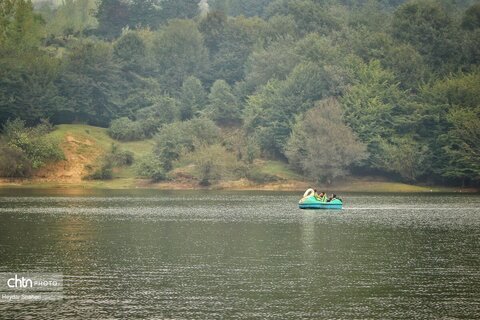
(84, 145)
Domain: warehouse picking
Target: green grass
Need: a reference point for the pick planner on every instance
(279, 169)
(94, 141)
(100, 138)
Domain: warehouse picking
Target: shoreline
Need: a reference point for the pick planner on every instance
(351, 185)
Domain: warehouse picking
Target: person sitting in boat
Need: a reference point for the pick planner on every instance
(322, 197)
(333, 197)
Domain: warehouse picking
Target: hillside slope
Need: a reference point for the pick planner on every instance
(84, 145)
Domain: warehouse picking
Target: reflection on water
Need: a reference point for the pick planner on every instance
(156, 254)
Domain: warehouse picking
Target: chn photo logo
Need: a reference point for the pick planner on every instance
(19, 282)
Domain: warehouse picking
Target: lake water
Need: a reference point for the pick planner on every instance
(209, 255)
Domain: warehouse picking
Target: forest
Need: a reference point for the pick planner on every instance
(331, 87)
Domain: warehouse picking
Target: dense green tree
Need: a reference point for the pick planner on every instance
(428, 27)
(222, 104)
(193, 98)
(309, 16)
(179, 52)
(124, 129)
(27, 149)
(131, 51)
(112, 17)
(212, 27)
(164, 110)
(247, 8)
(471, 18)
(376, 109)
(321, 145)
(177, 138)
(92, 82)
(406, 73)
(71, 17)
(280, 27)
(405, 156)
(230, 42)
(178, 9)
(266, 117)
(21, 28)
(439, 116)
(146, 13)
(150, 167)
(462, 145)
(27, 73)
(27, 87)
(275, 61)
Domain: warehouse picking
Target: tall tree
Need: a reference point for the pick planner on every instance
(193, 98)
(179, 52)
(112, 16)
(223, 105)
(321, 145)
(428, 27)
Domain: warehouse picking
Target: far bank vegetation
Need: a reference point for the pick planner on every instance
(328, 88)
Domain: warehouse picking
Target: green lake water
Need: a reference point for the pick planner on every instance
(146, 254)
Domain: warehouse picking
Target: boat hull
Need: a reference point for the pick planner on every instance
(312, 203)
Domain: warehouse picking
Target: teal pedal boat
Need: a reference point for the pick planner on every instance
(312, 203)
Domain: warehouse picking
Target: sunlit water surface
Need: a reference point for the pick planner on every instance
(189, 255)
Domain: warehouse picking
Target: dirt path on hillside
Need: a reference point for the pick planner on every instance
(79, 153)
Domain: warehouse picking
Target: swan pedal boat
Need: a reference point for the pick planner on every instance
(310, 202)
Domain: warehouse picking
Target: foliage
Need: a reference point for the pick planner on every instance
(114, 158)
(13, 162)
(377, 110)
(428, 27)
(118, 157)
(223, 105)
(27, 149)
(72, 17)
(179, 52)
(150, 167)
(177, 138)
(471, 18)
(211, 162)
(321, 145)
(193, 98)
(124, 129)
(463, 144)
(405, 73)
(112, 16)
(103, 172)
(130, 50)
(163, 110)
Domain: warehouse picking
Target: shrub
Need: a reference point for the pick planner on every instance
(213, 162)
(13, 163)
(124, 129)
(163, 111)
(118, 157)
(150, 167)
(104, 172)
(26, 149)
(180, 137)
